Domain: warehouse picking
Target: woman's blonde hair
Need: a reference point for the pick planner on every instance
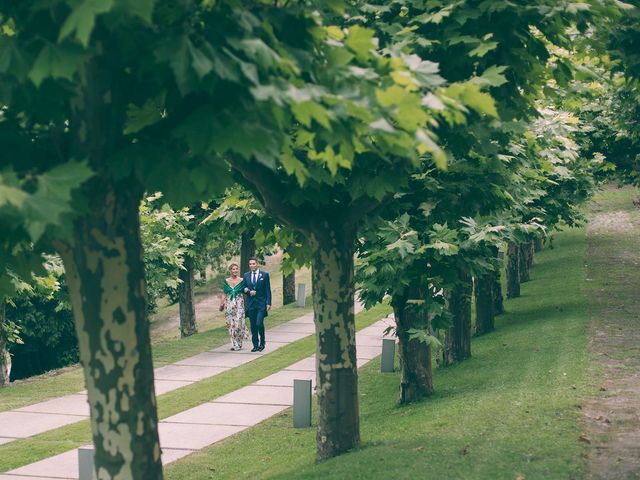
(233, 264)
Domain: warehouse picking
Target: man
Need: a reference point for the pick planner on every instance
(258, 290)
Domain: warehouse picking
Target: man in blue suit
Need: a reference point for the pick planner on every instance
(258, 302)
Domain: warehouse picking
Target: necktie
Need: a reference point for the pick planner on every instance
(253, 279)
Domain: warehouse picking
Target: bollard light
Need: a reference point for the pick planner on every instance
(301, 403)
(85, 463)
(388, 355)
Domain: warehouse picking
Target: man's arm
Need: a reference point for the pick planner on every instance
(268, 286)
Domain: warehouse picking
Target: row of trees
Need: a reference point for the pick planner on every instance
(422, 136)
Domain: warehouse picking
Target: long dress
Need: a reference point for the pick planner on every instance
(234, 314)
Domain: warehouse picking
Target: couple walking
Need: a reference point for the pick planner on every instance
(246, 296)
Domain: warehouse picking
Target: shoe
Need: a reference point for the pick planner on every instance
(233, 349)
(255, 349)
(260, 348)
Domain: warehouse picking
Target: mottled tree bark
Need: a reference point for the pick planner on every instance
(538, 244)
(105, 275)
(289, 288)
(498, 299)
(457, 345)
(337, 373)
(186, 299)
(247, 249)
(513, 270)
(5, 358)
(526, 260)
(416, 375)
(485, 303)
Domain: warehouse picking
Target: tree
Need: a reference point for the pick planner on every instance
(140, 94)
(7, 334)
(357, 141)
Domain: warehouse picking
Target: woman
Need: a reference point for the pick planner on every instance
(232, 302)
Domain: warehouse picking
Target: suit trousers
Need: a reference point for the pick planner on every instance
(256, 319)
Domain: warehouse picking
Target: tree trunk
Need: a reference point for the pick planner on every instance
(337, 372)
(526, 258)
(485, 303)
(186, 299)
(247, 249)
(457, 345)
(496, 282)
(538, 244)
(203, 275)
(416, 376)
(513, 270)
(106, 281)
(5, 358)
(289, 288)
(531, 252)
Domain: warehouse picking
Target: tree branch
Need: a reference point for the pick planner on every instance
(269, 192)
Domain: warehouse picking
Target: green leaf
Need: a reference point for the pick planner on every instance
(482, 49)
(140, 8)
(259, 52)
(360, 41)
(12, 59)
(382, 125)
(11, 195)
(309, 110)
(55, 61)
(82, 19)
(491, 77)
(140, 117)
(470, 95)
(52, 199)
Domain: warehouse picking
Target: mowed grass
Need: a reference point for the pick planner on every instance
(512, 410)
(71, 380)
(23, 452)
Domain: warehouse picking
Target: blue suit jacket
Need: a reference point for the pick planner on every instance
(262, 287)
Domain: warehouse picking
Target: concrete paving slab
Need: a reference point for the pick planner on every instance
(285, 378)
(217, 359)
(22, 424)
(246, 348)
(368, 341)
(169, 455)
(4, 440)
(187, 372)
(193, 437)
(308, 364)
(258, 394)
(363, 351)
(4, 476)
(64, 465)
(75, 404)
(284, 337)
(216, 413)
(307, 328)
(165, 386)
(375, 331)
(308, 318)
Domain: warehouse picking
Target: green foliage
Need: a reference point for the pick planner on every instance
(41, 314)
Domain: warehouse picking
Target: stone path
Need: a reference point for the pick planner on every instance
(227, 413)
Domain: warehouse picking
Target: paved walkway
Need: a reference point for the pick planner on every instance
(198, 427)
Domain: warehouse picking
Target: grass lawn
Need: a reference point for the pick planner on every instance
(23, 452)
(512, 410)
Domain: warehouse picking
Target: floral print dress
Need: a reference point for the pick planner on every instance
(234, 314)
